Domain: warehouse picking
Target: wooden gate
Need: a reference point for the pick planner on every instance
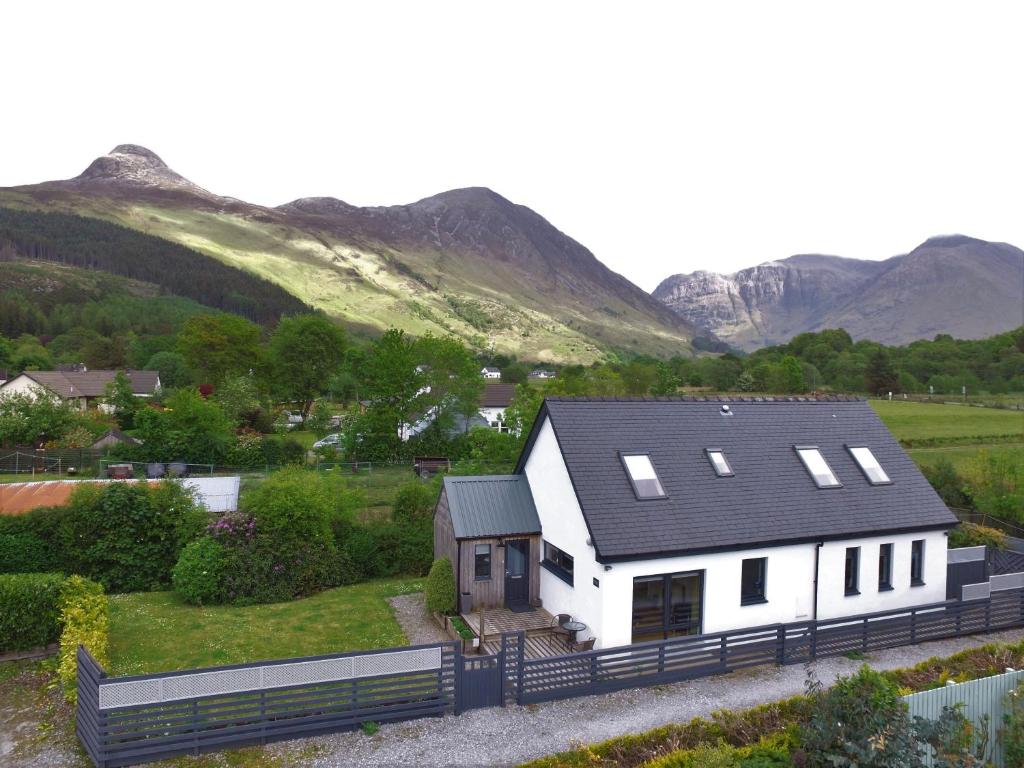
(479, 682)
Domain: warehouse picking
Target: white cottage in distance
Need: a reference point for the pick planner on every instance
(655, 518)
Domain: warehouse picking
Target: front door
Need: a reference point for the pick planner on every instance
(517, 572)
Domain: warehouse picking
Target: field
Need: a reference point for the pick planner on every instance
(958, 433)
(157, 632)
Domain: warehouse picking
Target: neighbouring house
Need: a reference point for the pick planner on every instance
(113, 437)
(489, 529)
(77, 387)
(684, 516)
(541, 374)
(493, 402)
(3, 376)
(490, 372)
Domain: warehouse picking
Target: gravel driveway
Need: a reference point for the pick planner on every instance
(510, 736)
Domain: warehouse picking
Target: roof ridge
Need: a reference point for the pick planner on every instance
(707, 399)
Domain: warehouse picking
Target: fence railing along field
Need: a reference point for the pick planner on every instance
(148, 717)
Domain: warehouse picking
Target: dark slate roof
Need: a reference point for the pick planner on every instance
(92, 383)
(771, 499)
(491, 505)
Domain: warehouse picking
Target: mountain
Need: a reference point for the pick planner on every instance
(466, 262)
(959, 285)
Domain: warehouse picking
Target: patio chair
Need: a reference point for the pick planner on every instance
(582, 645)
(557, 623)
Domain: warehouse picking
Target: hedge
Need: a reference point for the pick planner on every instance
(85, 616)
(440, 587)
(29, 610)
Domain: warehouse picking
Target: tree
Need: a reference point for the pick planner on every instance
(119, 395)
(189, 429)
(392, 383)
(789, 376)
(173, 369)
(239, 398)
(305, 352)
(29, 420)
(216, 346)
(880, 376)
(452, 374)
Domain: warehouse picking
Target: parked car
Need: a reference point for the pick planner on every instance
(330, 441)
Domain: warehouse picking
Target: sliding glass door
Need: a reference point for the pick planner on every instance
(667, 605)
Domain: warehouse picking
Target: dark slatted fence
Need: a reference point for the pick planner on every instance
(128, 720)
(684, 658)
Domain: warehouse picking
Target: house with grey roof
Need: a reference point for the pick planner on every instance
(652, 518)
(78, 386)
(490, 372)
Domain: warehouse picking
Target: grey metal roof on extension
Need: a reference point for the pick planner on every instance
(770, 499)
(491, 505)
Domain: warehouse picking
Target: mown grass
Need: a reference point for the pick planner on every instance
(964, 457)
(914, 422)
(158, 632)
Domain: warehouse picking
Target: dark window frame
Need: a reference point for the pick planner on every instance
(885, 574)
(798, 448)
(851, 575)
(759, 594)
(917, 547)
(476, 562)
(728, 464)
(668, 627)
(557, 564)
(632, 482)
(849, 449)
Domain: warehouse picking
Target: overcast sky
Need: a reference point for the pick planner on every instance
(664, 137)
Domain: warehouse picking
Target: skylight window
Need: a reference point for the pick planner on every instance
(818, 468)
(646, 484)
(869, 465)
(719, 463)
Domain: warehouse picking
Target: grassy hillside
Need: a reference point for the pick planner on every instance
(372, 286)
(913, 423)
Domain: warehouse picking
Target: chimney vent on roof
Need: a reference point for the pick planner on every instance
(726, 410)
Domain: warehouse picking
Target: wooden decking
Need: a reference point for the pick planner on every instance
(538, 624)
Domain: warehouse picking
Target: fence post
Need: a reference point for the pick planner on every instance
(661, 658)
(458, 676)
(722, 652)
(813, 648)
(988, 613)
(521, 657)
(913, 625)
(780, 645)
(864, 636)
(501, 667)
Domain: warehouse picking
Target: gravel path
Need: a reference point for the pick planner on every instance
(418, 625)
(510, 736)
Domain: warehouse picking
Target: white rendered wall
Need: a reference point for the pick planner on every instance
(562, 524)
(832, 601)
(492, 414)
(23, 385)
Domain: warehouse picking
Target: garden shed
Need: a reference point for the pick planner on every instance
(488, 527)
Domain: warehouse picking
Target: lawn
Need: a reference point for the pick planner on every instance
(915, 422)
(157, 632)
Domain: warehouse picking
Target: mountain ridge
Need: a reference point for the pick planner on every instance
(955, 284)
(465, 261)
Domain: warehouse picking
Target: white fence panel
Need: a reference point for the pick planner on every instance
(985, 696)
(218, 494)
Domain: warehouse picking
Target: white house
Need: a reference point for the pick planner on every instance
(541, 373)
(490, 372)
(493, 402)
(667, 517)
(78, 387)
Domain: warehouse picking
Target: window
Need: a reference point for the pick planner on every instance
(852, 581)
(885, 567)
(558, 562)
(818, 468)
(869, 465)
(752, 581)
(719, 463)
(667, 605)
(646, 484)
(482, 562)
(917, 563)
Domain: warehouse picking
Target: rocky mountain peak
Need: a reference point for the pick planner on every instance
(135, 166)
(318, 206)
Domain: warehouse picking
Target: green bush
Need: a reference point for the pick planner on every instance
(85, 617)
(199, 574)
(440, 587)
(380, 550)
(29, 610)
(23, 553)
(36, 544)
(413, 501)
(770, 752)
(859, 721)
(128, 536)
(974, 535)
